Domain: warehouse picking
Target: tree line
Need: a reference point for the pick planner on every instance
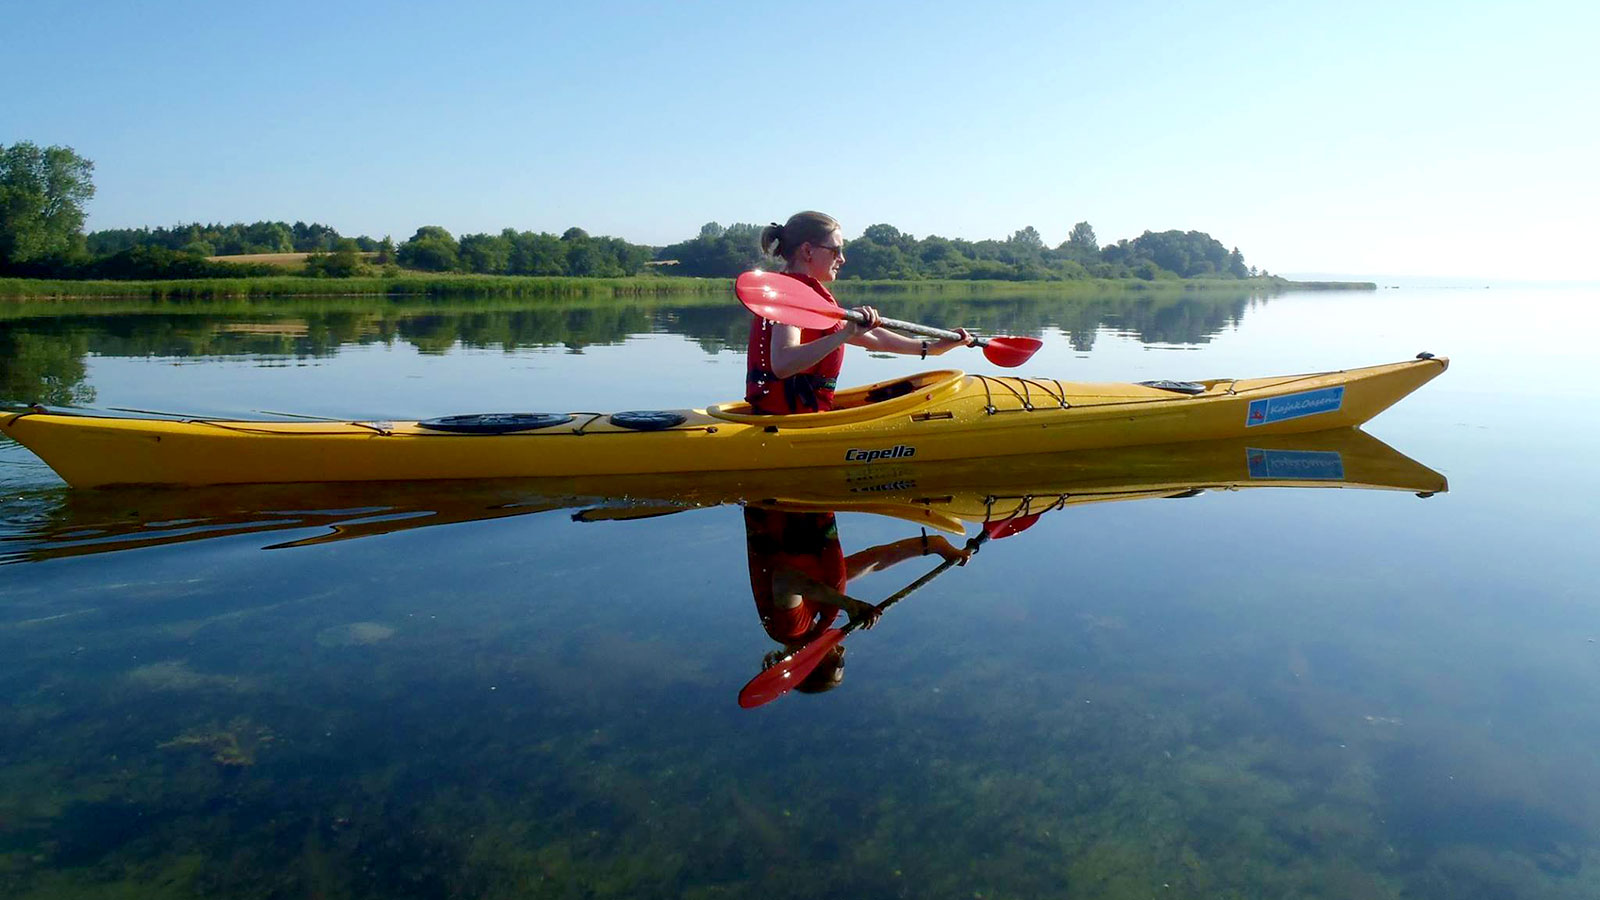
(883, 252)
(225, 240)
(43, 192)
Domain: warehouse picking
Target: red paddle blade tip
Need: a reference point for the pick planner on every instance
(754, 695)
(1011, 352)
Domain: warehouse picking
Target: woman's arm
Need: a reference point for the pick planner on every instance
(791, 588)
(883, 556)
(790, 357)
(893, 342)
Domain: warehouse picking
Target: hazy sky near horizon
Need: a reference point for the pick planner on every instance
(1365, 138)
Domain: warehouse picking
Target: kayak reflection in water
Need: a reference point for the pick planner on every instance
(798, 575)
(795, 370)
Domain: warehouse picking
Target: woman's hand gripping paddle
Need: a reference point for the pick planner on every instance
(776, 681)
(791, 301)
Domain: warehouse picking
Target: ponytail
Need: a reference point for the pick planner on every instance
(771, 239)
(809, 227)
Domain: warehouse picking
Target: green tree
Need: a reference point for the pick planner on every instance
(489, 254)
(268, 237)
(314, 237)
(940, 258)
(344, 262)
(885, 235)
(630, 258)
(1025, 250)
(536, 253)
(1186, 254)
(587, 258)
(1236, 266)
(42, 193)
(869, 259)
(717, 252)
(431, 249)
(1082, 238)
(1028, 240)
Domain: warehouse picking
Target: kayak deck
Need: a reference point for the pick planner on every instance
(940, 415)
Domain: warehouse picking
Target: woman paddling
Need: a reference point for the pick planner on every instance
(794, 370)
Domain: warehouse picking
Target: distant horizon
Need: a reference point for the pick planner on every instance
(1466, 282)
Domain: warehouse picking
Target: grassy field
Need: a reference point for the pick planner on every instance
(290, 262)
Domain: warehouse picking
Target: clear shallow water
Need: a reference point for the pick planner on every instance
(1276, 692)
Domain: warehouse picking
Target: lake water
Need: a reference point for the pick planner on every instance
(425, 691)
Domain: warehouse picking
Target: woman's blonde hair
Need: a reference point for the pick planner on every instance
(809, 227)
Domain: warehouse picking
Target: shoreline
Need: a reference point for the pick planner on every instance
(527, 286)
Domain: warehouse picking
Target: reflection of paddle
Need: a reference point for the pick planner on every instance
(793, 669)
(631, 512)
(780, 298)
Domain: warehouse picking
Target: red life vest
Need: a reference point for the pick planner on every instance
(807, 391)
(777, 542)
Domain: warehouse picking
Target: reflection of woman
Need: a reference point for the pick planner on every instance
(798, 575)
(791, 369)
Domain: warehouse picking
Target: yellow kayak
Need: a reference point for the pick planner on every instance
(931, 417)
(948, 496)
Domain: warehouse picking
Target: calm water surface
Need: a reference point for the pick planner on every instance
(415, 691)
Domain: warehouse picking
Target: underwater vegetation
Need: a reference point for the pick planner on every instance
(232, 746)
(300, 748)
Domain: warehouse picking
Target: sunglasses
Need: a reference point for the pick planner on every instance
(835, 250)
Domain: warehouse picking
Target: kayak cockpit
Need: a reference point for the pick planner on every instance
(857, 404)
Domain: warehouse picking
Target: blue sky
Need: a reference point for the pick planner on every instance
(1362, 138)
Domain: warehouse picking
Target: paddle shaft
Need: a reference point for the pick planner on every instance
(901, 594)
(913, 328)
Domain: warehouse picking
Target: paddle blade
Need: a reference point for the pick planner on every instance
(787, 300)
(786, 673)
(1011, 352)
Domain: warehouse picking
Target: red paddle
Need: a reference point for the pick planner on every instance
(793, 669)
(791, 301)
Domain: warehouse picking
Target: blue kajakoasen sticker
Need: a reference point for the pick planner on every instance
(1299, 465)
(1294, 406)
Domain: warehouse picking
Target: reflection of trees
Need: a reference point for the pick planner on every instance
(45, 369)
(1178, 318)
(574, 327)
(1186, 319)
(41, 356)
